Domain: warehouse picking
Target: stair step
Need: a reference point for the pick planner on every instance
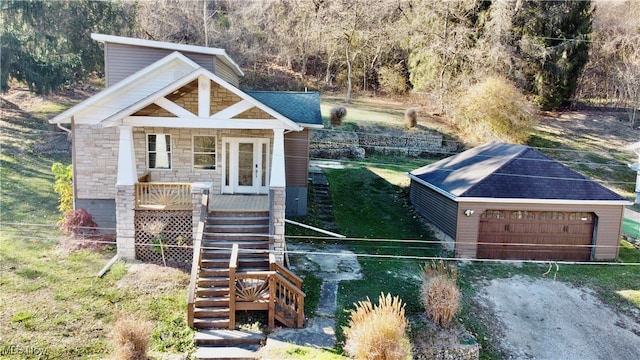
(238, 214)
(234, 220)
(247, 352)
(214, 272)
(211, 323)
(213, 281)
(252, 268)
(208, 253)
(239, 237)
(212, 292)
(237, 228)
(211, 312)
(253, 261)
(214, 263)
(228, 337)
(219, 301)
(243, 244)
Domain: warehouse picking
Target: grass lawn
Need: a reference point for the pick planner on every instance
(52, 304)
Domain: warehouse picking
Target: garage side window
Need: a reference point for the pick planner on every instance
(583, 216)
(493, 214)
(551, 215)
(204, 152)
(159, 151)
(523, 215)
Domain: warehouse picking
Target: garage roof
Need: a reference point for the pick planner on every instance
(509, 171)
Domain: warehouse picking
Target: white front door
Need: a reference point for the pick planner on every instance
(245, 166)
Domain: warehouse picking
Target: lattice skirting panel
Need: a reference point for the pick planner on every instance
(170, 232)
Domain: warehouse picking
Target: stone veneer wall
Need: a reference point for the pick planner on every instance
(96, 158)
(125, 217)
(277, 200)
(96, 161)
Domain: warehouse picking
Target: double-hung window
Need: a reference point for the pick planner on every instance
(159, 151)
(204, 152)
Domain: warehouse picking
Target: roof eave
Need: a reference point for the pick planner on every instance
(65, 117)
(544, 201)
(432, 187)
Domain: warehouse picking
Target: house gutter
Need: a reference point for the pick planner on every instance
(108, 266)
(63, 128)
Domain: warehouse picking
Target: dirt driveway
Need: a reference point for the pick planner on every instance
(547, 319)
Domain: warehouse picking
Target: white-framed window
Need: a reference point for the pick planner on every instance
(159, 151)
(204, 152)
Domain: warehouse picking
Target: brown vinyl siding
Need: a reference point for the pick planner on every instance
(438, 209)
(296, 158)
(607, 229)
(122, 60)
(225, 72)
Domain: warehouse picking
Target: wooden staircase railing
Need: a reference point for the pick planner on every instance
(278, 291)
(197, 254)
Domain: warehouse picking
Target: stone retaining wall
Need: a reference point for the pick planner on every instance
(326, 143)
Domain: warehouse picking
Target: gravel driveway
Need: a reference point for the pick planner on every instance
(546, 319)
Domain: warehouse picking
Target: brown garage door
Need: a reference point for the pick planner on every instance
(535, 235)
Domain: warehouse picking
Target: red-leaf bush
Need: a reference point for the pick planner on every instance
(78, 222)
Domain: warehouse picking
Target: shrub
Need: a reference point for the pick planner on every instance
(411, 117)
(337, 114)
(440, 293)
(63, 186)
(130, 338)
(494, 109)
(78, 222)
(378, 332)
(392, 80)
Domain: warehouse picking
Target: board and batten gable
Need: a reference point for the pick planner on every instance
(606, 234)
(123, 60)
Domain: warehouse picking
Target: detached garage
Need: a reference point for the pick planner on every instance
(506, 201)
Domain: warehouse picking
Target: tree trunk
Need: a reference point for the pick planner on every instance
(349, 75)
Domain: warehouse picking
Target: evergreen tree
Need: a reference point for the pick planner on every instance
(47, 44)
(552, 40)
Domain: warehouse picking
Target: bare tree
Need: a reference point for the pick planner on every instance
(613, 71)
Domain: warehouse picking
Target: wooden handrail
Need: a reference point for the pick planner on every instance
(233, 265)
(195, 264)
(282, 296)
(274, 266)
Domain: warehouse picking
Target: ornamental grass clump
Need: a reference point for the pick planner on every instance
(411, 117)
(440, 293)
(378, 332)
(337, 114)
(131, 338)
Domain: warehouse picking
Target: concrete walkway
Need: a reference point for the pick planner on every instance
(332, 263)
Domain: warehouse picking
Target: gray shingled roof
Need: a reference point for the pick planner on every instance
(301, 107)
(499, 170)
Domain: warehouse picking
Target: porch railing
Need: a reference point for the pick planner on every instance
(163, 196)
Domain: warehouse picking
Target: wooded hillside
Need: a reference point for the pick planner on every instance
(555, 52)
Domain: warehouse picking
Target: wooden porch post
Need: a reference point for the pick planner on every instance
(127, 173)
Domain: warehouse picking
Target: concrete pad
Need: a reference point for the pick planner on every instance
(227, 353)
(319, 333)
